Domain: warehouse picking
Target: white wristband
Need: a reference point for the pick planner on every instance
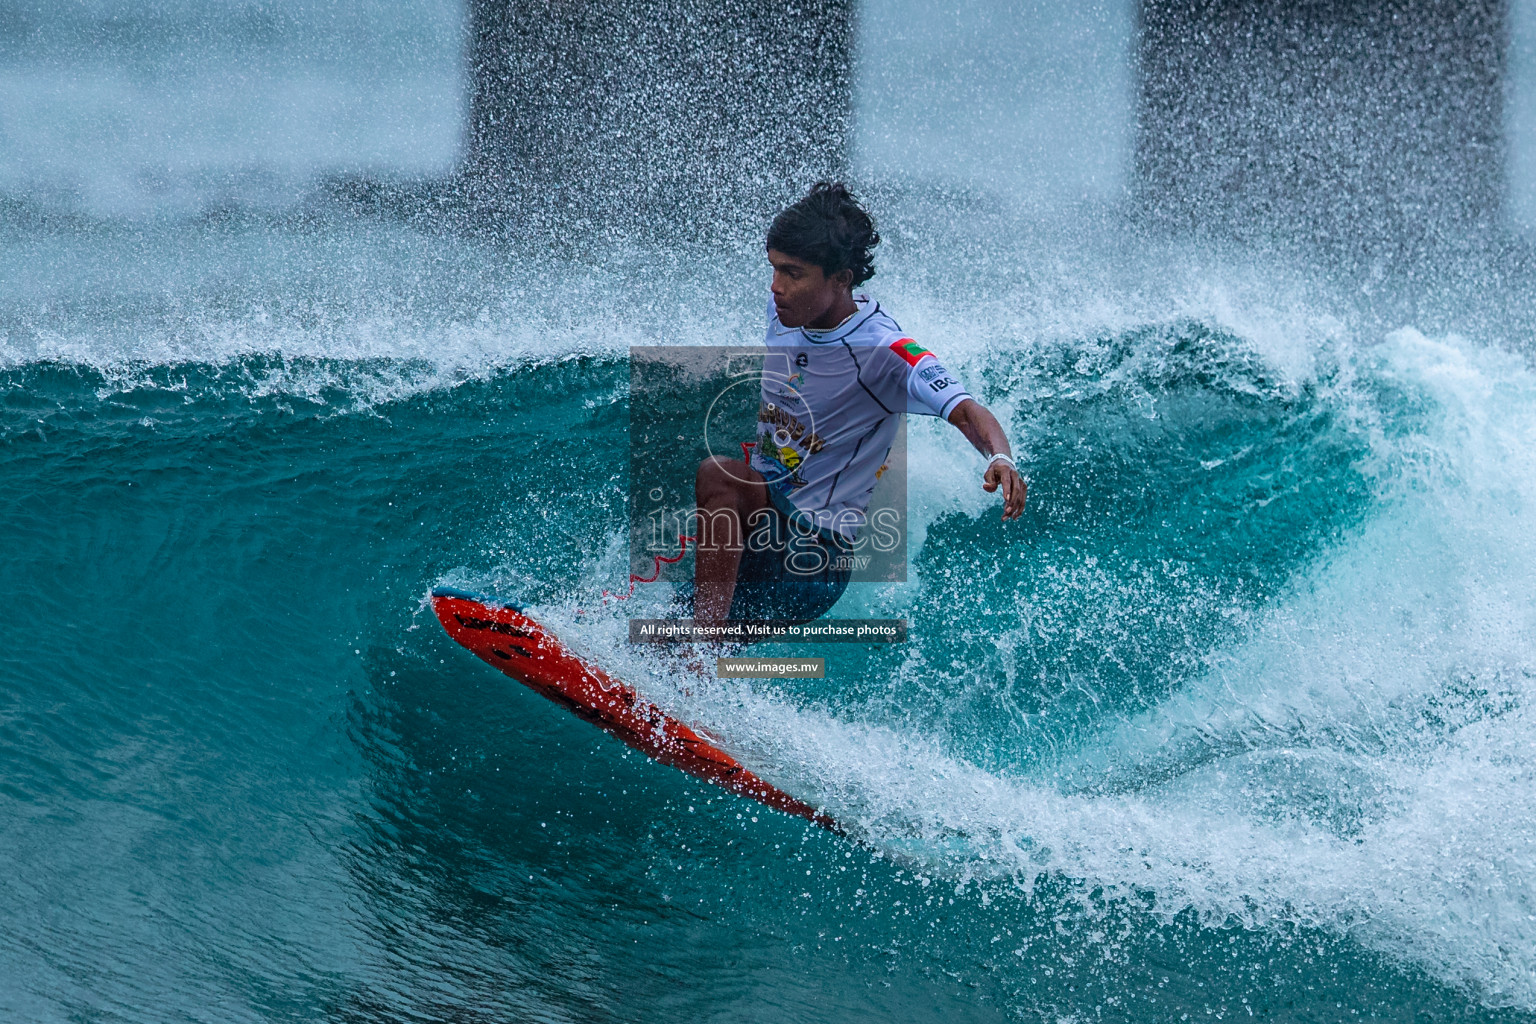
(1000, 457)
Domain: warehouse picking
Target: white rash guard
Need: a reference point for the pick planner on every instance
(828, 411)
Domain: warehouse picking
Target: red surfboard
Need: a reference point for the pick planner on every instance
(501, 634)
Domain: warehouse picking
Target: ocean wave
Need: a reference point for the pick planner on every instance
(1356, 758)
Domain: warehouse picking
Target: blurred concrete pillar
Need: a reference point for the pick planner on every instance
(654, 112)
(1352, 122)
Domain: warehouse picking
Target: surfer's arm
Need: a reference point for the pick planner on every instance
(933, 391)
(981, 428)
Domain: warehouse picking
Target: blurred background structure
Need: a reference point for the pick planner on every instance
(616, 112)
(1379, 121)
(1363, 123)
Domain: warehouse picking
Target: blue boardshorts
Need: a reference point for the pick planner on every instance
(775, 583)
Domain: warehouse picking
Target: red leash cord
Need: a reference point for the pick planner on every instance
(659, 560)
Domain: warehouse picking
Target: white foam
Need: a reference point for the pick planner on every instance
(1362, 762)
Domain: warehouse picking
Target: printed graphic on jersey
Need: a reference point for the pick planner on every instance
(821, 441)
(793, 430)
(784, 442)
(930, 372)
(909, 350)
(779, 466)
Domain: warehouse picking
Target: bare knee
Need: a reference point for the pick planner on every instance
(720, 481)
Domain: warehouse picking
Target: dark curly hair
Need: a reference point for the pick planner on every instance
(828, 228)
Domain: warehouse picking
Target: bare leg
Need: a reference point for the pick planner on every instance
(728, 491)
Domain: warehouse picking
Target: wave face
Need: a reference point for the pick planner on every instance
(1238, 718)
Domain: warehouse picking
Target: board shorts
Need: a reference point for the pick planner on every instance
(768, 588)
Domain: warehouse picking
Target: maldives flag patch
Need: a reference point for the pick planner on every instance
(909, 350)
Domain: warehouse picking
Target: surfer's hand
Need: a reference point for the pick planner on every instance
(1000, 474)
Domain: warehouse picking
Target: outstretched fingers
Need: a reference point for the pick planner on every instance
(1013, 485)
(1014, 492)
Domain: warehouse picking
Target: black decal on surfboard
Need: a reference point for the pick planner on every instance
(470, 622)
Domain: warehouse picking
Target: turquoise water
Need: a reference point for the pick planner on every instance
(1235, 721)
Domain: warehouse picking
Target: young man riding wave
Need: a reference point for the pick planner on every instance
(840, 372)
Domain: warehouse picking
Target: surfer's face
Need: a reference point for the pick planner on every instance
(803, 293)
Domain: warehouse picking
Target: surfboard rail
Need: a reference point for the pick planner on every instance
(502, 634)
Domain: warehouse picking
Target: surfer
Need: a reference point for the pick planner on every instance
(775, 531)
